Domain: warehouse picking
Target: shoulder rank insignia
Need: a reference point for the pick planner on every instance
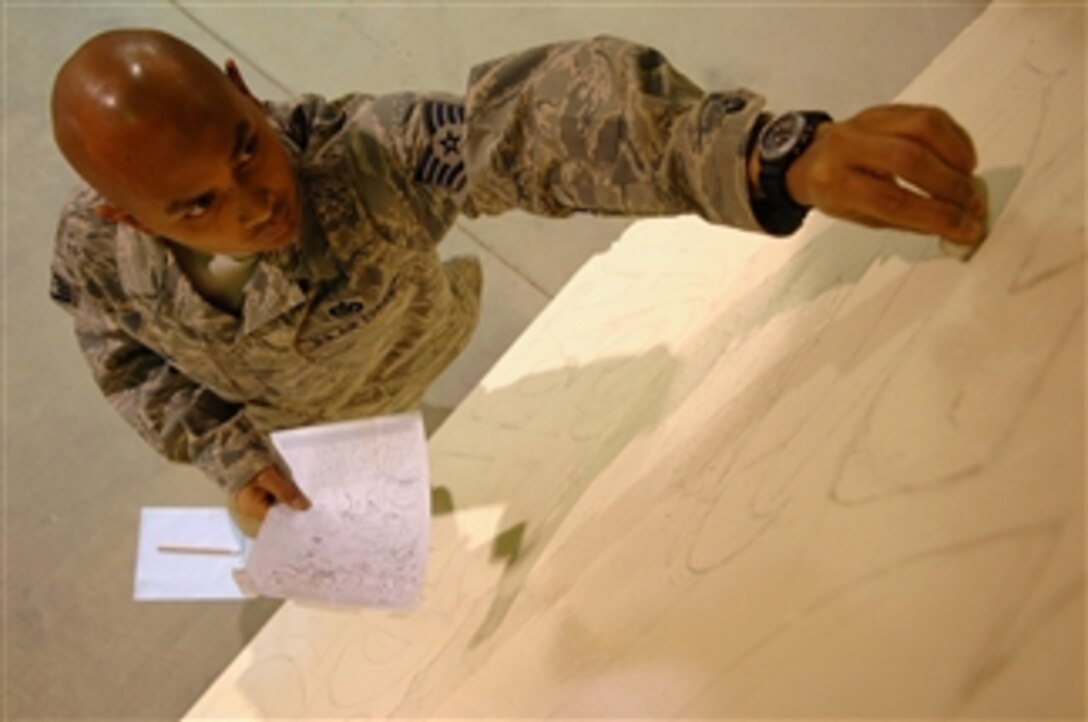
(441, 163)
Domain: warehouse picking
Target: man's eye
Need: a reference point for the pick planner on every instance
(199, 207)
(248, 150)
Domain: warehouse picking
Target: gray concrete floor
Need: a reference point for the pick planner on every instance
(75, 477)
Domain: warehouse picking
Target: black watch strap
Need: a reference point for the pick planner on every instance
(777, 211)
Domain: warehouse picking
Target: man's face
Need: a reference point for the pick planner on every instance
(219, 182)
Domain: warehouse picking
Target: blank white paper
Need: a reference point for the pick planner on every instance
(165, 576)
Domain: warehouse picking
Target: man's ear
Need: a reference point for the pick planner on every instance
(116, 214)
(235, 77)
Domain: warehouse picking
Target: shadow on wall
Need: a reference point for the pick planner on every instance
(618, 400)
(763, 469)
(623, 398)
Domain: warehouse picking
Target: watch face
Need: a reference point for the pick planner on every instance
(781, 136)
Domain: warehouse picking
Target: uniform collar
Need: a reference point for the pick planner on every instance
(149, 272)
(282, 279)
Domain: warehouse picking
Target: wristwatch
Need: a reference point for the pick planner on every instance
(780, 142)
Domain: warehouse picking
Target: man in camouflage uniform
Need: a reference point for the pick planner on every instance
(236, 267)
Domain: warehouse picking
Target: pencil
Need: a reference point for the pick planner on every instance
(193, 549)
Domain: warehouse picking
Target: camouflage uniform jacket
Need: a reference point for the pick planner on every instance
(359, 316)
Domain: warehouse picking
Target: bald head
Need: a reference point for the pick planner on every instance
(127, 96)
(179, 149)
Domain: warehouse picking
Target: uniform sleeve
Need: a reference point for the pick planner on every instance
(602, 126)
(605, 126)
(182, 420)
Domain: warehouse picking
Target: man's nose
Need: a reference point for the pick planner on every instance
(254, 206)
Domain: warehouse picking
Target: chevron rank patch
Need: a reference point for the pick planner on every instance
(441, 163)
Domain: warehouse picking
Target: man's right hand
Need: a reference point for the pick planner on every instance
(268, 487)
(852, 169)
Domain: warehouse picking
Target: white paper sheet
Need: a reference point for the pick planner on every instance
(163, 576)
(365, 540)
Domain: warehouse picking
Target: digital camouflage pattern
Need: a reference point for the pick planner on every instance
(360, 316)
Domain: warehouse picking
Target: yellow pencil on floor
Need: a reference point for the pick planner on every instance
(193, 549)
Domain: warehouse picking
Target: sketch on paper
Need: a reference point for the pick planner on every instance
(365, 540)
